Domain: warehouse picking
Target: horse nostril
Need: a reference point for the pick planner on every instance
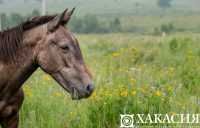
(90, 88)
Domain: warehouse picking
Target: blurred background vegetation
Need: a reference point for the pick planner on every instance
(108, 16)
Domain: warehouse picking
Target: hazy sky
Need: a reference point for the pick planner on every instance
(96, 6)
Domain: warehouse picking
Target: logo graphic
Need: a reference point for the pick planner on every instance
(135, 120)
(126, 121)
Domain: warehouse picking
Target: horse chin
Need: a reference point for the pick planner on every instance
(75, 95)
(75, 92)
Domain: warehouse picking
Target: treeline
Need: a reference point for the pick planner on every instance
(8, 21)
(91, 24)
(85, 24)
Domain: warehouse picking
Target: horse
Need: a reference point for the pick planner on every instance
(41, 42)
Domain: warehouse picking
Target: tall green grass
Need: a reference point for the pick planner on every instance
(133, 74)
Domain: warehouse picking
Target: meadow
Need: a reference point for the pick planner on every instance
(132, 73)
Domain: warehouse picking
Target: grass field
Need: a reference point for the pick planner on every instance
(133, 74)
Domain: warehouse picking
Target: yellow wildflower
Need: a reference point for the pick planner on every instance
(144, 89)
(115, 54)
(124, 93)
(28, 91)
(134, 50)
(172, 113)
(133, 92)
(46, 77)
(57, 94)
(157, 93)
(94, 96)
(133, 81)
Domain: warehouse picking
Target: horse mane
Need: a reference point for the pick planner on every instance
(11, 39)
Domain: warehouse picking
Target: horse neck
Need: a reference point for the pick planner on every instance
(24, 66)
(18, 74)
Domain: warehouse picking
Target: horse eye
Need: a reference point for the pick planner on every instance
(66, 48)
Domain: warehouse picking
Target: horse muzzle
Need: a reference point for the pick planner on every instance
(86, 92)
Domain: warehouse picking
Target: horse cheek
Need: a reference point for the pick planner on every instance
(47, 62)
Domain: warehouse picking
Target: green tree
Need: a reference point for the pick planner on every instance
(15, 19)
(168, 28)
(77, 25)
(115, 25)
(164, 4)
(91, 24)
(4, 23)
(35, 13)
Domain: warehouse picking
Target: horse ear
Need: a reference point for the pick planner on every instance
(53, 24)
(67, 17)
